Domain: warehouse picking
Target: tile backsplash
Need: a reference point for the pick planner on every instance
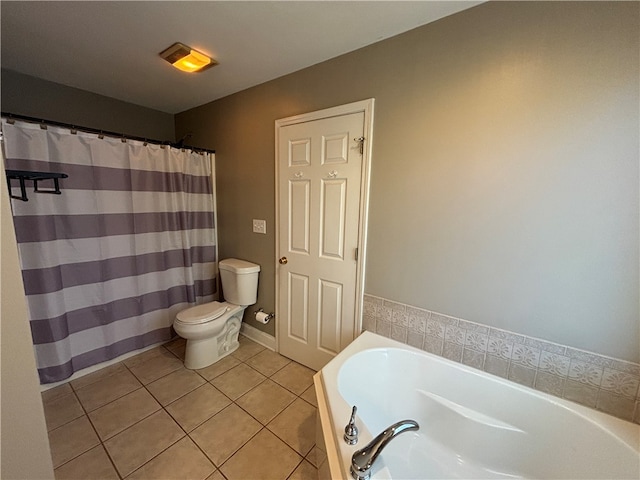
(604, 383)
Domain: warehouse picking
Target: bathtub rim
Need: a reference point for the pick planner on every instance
(331, 414)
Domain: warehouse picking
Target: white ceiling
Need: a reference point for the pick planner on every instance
(111, 48)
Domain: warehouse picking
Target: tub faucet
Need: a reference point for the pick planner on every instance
(362, 460)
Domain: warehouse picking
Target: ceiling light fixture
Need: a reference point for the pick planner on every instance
(187, 59)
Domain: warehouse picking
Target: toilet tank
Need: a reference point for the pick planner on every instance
(239, 281)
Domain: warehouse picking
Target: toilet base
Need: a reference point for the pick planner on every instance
(201, 353)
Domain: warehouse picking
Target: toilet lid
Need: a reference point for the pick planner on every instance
(202, 313)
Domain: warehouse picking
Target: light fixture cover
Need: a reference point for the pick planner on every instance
(187, 59)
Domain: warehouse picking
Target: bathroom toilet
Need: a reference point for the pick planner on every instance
(211, 329)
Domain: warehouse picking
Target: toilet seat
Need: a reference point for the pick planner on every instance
(202, 313)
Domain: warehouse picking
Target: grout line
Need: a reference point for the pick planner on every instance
(297, 466)
(113, 464)
(241, 446)
(216, 467)
(155, 456)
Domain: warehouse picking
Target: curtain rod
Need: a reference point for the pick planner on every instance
(13, 116)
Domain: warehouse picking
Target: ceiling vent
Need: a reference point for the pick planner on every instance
(186, 58)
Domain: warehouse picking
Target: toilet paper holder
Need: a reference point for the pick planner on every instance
(263, 317)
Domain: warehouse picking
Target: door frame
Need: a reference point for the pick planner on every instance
(366, 107)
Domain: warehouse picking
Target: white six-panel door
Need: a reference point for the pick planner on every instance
(320, 180)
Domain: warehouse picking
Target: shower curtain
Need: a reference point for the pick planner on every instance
(128, 243)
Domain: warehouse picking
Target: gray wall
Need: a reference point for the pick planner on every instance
(505, 173)
(24, 442)
(33, 97)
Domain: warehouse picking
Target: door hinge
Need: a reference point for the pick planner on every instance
(356, 253)
(360, 141)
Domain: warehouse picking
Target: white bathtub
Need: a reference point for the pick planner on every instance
(472, 424)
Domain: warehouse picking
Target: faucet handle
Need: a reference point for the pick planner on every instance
(351, 431)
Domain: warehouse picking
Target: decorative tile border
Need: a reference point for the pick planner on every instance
(604, 383)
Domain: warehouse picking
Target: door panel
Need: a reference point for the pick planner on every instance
(332, 214)
(330, 302)
(299, 191)
(335, 148)
(299, 152)
(319, 185)
(298, 311)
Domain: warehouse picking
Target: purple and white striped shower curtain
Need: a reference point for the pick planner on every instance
(109, 262)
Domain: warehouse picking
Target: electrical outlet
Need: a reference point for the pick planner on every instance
(259, 226)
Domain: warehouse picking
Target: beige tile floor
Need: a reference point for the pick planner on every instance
(249, 416)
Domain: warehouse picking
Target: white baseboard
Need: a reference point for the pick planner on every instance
(258, 336)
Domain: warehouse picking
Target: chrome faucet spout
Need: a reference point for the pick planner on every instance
(363, 459)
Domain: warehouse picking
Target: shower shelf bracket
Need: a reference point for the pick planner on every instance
(24, 175)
